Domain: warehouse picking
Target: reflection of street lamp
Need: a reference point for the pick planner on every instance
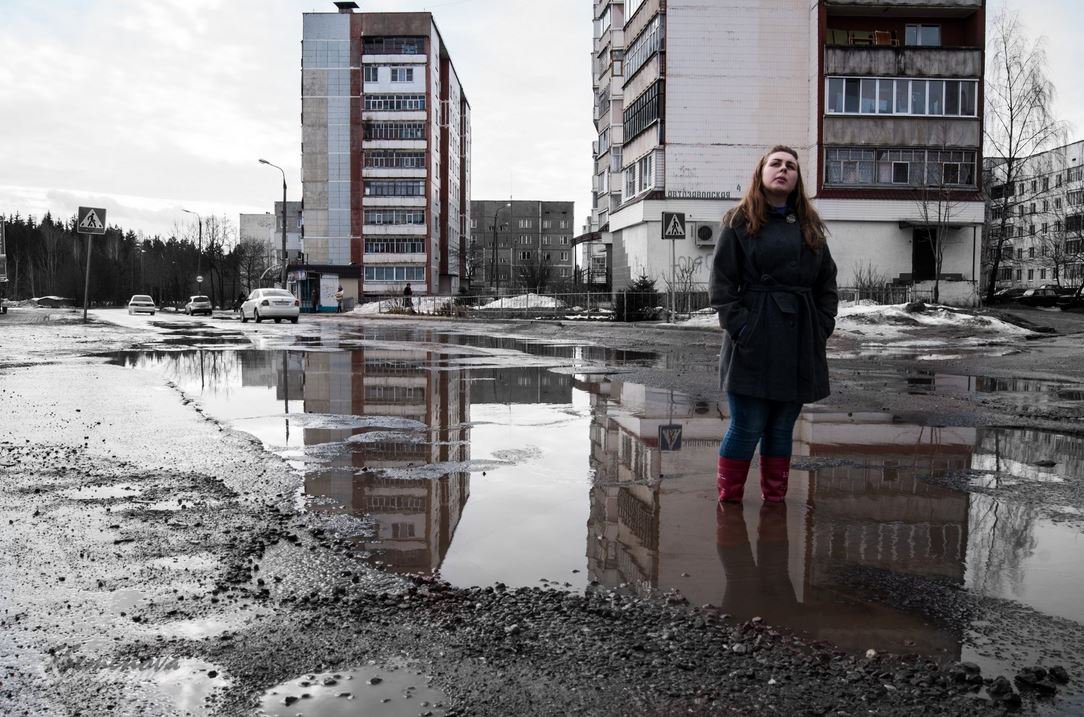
(264, 161)
(199, 247)
(496, 274)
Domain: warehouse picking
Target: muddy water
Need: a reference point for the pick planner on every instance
(530, 468)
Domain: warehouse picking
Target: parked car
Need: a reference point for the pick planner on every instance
(1072, 300)
(1040, 297)
(277, 304)
(198, 304)
(1006, 296)
(141, 304)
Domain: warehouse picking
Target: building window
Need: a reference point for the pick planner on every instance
(1076, 197)
(1031, 274)
(394, 188)
(646, 172)
(845, 166)
(402, 74)
(371, 73)
(393, 45)
(1031, 252)
(395, 216)
(922, 35)
(1019, 274)
(644, 111)
(394, 130)
(525, 256)
(564, 256)
(394, 103)
(646, 44)
(525, 224)
(546, 223)
(394, 159)
(902, 96)
(394, 245)
(387, 272)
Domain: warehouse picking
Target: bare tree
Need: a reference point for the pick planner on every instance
(1019, 119)
(937, 208)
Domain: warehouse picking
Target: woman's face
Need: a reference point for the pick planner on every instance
(780, 174)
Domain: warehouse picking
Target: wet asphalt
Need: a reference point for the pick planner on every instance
(469, 519)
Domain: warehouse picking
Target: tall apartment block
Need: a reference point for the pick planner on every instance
(520, 244)
(1043, 216)
(881, 99)
(385, 154)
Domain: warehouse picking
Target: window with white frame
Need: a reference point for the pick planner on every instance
(394, 103)
(546, 223)
(402, 74)
(564, 256)
(387, 272)
(525, 224)
(859, 166)
(645, 169)
(372, 73)
(901, 96)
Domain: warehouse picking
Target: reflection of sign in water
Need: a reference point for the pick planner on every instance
(670, 437)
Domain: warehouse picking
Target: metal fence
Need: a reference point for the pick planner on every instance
(622, 305)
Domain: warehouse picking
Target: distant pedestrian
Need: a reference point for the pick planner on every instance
(339, 299)
(240, 300)
(315, 300)
(773, 284)
(408, 302)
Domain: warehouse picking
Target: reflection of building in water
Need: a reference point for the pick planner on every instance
(283, 370)
(1029, 453)
(867, 510)
(520, 385)
(625, 533)
(413, 416)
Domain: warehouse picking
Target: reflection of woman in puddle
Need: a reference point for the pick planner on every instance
(773, 283)
(759, 587)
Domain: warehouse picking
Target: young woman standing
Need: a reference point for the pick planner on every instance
(773, 283)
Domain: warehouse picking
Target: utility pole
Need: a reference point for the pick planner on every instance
(284, 262)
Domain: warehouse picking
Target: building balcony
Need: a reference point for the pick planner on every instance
(912, 7)
(897, 131)
(888, 61)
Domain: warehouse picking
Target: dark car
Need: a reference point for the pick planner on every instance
(1008, 296)
(1073, 299)
(1040, 297)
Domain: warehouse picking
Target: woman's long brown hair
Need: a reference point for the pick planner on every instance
(753, 208)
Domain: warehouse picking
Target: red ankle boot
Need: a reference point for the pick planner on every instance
(774, 475)
(731, 479)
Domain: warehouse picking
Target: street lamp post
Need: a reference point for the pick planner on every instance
(199, 248)
(264, 161)
(496, 273)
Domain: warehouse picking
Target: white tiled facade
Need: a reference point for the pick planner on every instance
(708, 87)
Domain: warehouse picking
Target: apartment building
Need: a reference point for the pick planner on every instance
(881, 100)
(520, 244)
(1043, 217)
(385, 155)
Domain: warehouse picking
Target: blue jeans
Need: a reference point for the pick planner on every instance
(758, 420)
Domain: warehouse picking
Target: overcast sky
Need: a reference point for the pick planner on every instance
(147, 106)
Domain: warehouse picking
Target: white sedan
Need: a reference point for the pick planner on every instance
(141, 304)
(277, 304)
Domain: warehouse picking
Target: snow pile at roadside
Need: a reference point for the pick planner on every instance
(420, 304)
(893, 321)
(524, 301)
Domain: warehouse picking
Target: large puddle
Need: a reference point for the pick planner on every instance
(526, 465)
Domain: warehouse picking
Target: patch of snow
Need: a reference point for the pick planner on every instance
(525, 301)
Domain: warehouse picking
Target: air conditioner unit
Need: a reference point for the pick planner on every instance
(706, 233)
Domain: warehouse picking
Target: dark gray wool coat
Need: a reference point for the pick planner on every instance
(777, 303)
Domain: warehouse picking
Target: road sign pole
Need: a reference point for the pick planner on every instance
(86, 282)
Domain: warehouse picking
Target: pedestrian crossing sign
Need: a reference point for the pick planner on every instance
(670, 437)
(91, 220)
(673, 225)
